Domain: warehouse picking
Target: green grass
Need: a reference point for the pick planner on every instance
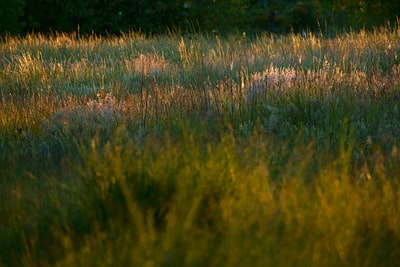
(200, 151)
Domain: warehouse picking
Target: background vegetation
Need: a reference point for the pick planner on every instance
(200, 150)
(116, 16)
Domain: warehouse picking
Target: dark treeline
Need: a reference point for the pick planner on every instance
(116, 16)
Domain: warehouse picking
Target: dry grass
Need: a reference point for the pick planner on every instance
(200, 150)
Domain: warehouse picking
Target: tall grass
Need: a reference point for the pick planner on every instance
(200, 150)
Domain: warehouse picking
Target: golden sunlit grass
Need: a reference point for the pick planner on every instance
(200, 150)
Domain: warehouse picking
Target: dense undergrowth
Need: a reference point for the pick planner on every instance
(200, 150)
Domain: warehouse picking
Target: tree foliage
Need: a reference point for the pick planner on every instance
(11, 12)
(115, 16)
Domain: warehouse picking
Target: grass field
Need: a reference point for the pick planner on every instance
(200, 150)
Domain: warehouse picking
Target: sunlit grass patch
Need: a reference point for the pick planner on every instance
(200, 150)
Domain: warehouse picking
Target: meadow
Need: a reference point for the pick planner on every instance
(200, 150)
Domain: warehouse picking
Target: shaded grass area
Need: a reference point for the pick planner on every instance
(201, 151)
